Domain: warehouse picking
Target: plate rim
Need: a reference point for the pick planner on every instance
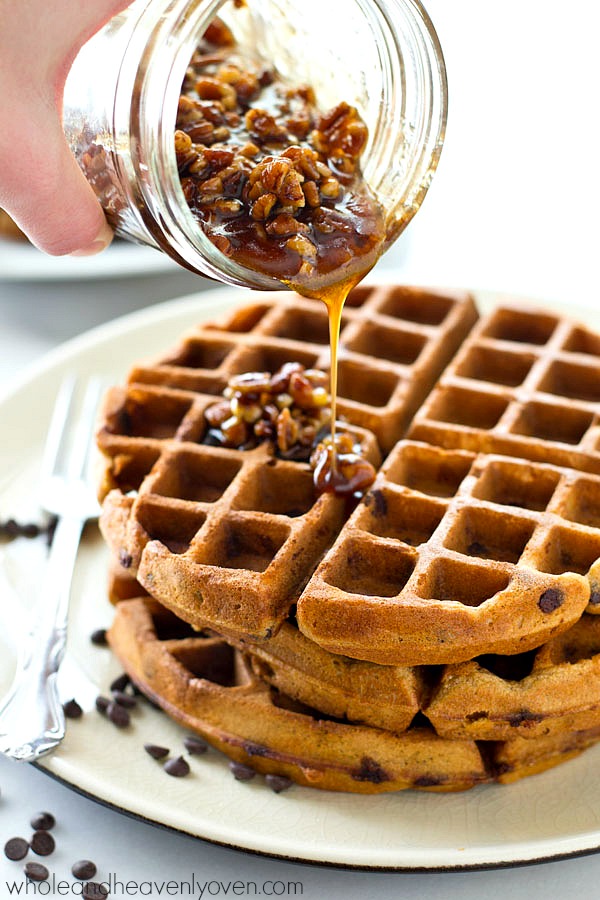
(316, 863)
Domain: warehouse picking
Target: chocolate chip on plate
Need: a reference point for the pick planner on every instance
(278, 783)
(177, 767)
(36, 871)
(94, 891)
(98, 637)
(102, 704)
(43, 821)
(123, 699)
(194, 745)
(42, 843)
(16, 848)
(121, 682)
(241, 772)
(83, 869)
(155, 751)
(72, 709)
(118, 715)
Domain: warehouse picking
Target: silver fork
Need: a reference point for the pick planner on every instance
(32, 720)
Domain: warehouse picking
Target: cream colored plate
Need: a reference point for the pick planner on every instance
(546, 816)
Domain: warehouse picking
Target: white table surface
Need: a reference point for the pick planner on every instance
(514, 206)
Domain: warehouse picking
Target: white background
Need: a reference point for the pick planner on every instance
(514, 206)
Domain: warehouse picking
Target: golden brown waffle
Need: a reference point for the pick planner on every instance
(207, 686)
(387, 697)
(554, 690)
(525, 383)
(453, 555)
(231, 537)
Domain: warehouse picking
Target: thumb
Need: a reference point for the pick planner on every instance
(45, 191)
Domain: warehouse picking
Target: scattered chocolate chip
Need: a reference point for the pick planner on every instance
(72, 709)
(50, 530)
(120, 683)
(43, 821)
(83, 869)
(177, 767)
(241, 772)
(123, 699)
(196, 746)
(42, 843)
(155, 751)
(551, 600)
(94, 891)
(278, 783)
(118, 715)
(98, 637)
(16, 848)
(595, 598)
(102, 704)
(11, 528)
(125, 558)
(36, 871)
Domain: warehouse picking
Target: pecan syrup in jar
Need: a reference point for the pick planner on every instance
(277, 185)
(306, 219)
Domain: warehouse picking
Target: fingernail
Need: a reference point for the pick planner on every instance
(100, 243)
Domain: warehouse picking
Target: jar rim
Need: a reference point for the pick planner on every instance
(181, 25)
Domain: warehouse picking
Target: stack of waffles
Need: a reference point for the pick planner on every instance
(439, 634)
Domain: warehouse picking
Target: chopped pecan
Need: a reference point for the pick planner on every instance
(262, 206)
(262, 125)
(219, 34)
(284, 225)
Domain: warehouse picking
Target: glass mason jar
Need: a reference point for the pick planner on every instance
(121, 96)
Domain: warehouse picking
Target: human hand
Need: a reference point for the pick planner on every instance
(41, 185)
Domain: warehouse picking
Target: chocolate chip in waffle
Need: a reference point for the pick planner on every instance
(551, 691)
(387, 697)
(525, 383)
(452, 555)
(208, 686)
(230, 537)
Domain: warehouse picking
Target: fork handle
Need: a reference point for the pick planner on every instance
(32, 720)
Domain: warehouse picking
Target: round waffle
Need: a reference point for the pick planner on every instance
(438, 564)
(476, 553)
(525, 383)
(208, 686)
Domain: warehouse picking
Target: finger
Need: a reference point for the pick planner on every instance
(46, 193)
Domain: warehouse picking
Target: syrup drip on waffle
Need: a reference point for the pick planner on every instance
(276, 184)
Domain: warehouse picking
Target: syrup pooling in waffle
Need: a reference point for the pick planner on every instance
(525, 383)
(208, 687)
(233, 536)
(453, 555)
